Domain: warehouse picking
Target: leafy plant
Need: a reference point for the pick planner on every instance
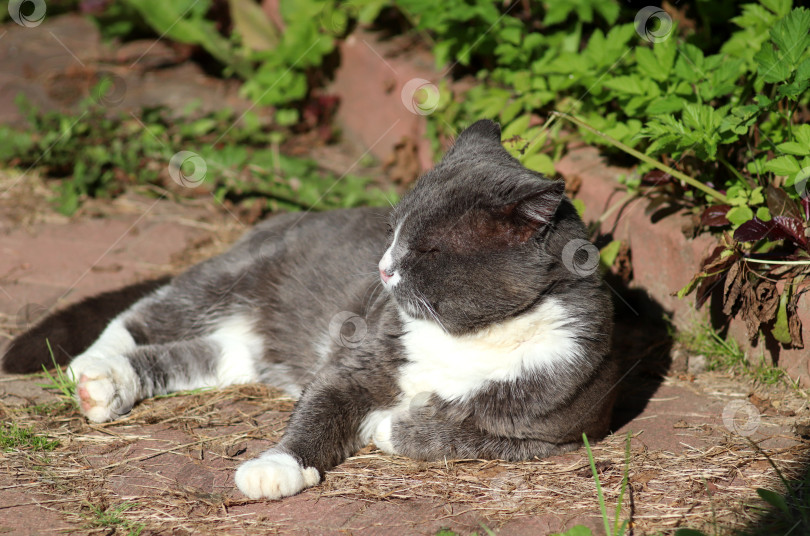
(716, 125)
(99, 155)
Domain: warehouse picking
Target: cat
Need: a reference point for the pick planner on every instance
(449, 326)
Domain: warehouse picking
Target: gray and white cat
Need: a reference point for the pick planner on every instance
(481, 343)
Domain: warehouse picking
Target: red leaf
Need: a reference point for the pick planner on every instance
(793, 228)
(779, 204)
(715, 216)
(656, 177)
(753, 230)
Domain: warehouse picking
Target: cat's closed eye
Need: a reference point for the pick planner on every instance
(426, 250)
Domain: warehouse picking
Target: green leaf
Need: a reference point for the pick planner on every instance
(650, 65)
(579, 204)
(792, 147)
(780, 7)
(540, 162)
(780, 332)
(517, 127)
(667, 105)
(802, 134)
(608, 254)
(739, 215)
(770, 66)
(689, 532)
(783, 165)
(252, 24)
(771, 497)
(626, 84)
(803, 71)
(791, 36)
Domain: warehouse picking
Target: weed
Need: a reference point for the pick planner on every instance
(14, 437)
(726, 355)
(96, 154)
(110, 517)
(619, 527)
(59, 381)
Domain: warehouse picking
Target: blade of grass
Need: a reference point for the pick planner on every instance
(617, 528)
(598, 485)
(59, 380)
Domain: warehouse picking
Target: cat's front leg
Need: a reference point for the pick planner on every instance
(325, 428)
(425, 434)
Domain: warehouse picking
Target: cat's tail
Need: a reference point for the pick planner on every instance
(73, 329)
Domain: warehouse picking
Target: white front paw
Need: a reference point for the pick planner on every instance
(106, 387)
(274, 475)
(382, 436)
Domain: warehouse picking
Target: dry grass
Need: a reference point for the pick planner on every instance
(94, 466)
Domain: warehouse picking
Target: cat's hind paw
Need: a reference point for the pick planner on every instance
(274, 475)
(106, 387)
(382, 435)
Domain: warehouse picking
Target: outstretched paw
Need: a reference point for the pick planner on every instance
(106, 387)
(274, 475)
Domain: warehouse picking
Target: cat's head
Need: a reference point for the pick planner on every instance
(479, 238)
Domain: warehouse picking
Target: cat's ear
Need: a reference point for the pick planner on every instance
(534, 207)
(482, 132)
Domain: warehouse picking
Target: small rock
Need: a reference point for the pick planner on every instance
(697, 364)
(679, 360)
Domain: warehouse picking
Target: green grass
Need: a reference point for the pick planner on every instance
(726, 354)
(59, 381)
(110, 517)
(14, 438)
(619, 526)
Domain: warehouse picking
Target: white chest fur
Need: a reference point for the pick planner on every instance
(456, 367)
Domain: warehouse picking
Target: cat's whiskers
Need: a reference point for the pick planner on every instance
(431, 311)
(372, 301)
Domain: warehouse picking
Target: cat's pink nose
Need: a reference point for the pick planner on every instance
(385, 276)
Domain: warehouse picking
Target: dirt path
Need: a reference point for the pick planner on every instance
(168, 467)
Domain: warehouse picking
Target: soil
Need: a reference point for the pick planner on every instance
(167, 468)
